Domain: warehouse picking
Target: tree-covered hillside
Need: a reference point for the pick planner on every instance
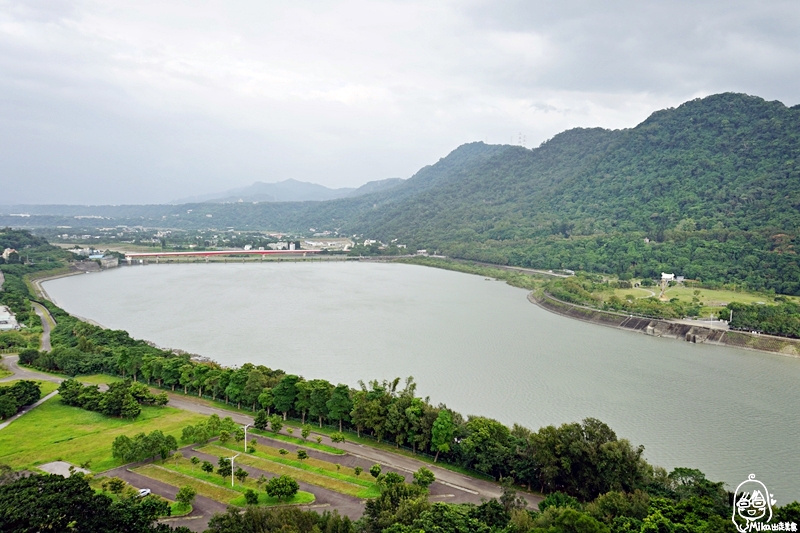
(709, 190)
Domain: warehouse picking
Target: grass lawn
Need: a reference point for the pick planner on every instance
(4, 372)
(372, 443)
(98, 379)
(301, 498)
(54, 431)
(636, 293)
(298, 441)
(179, 509)
(311, 471)
(213, 485)
(717, 297)
(45, 386)
(177, 479)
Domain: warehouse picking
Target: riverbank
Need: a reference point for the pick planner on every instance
(668, 329)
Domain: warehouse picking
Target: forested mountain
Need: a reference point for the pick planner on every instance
(710, 190)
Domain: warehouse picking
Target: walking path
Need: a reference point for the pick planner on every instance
(48, 323)
(26, 409)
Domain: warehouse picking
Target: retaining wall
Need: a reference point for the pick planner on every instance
(673, 330)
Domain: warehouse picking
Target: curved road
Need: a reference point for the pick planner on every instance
(47, 325)
(449, 486)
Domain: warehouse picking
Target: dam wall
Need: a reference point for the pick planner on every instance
(669, 329)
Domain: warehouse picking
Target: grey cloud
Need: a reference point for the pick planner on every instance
(120, 102)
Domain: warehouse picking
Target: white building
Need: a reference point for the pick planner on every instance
(7, 319)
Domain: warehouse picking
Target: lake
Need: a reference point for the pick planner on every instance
(478, 346)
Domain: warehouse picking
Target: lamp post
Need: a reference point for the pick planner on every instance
(232, 458)
(245, 435)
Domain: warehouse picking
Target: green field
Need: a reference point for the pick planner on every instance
(297, 441)
(717, 298)
(45, 386)
(312, 471)
(54, 431)
(98, 379)
(182, 472)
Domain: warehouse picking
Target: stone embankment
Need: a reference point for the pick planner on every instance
(665, 328)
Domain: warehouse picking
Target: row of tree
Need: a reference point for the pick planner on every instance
(143, 446)
(21, 394)
(781, 319)
(383, 409)
(122, 399)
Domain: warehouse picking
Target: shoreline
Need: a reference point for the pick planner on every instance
(695, 333)
(655, 327)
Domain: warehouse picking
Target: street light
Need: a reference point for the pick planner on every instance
(232, 458)
(245, 435)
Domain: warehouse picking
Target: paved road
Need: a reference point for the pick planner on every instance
(202, 509)
(465, 488)
(449, 486)
(12, 363)
(47, 323)
(346, 505)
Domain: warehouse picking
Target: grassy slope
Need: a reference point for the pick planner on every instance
(54, 431)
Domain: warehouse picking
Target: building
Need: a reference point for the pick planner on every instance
(7, 253)
(109, 261)
(7, 319)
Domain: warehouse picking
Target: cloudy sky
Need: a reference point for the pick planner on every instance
(147, 101)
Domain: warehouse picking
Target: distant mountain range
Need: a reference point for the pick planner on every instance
(288, 191)
(709, 190)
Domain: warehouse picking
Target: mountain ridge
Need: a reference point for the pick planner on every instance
(289, 190)
(710, 189)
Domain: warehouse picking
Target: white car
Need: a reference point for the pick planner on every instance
(144, 492)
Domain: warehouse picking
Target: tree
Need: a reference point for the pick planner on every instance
(253, 387)
(375, 470)
(318, 400)
(337, 437)
(252, 448)
(266, 399)
(302, 455)
(357, 471)
(185, 495)
(250, 497)
(283, 487)
(302, 401)
(261, 480)
(424, 477)
(241, 474)
(443, 433)
(285, 393)
(261, 420)
(389, 479)
(275, 423)
(195, 461)
(398, 503)
(283, 451)
(123, 448)
(238, 435)
(116, 485)
(305, 431)
(207, 467)
(56, 503)
(224, 436)
(224, 468)
(161, 399)
(339, 405)
(177, 456)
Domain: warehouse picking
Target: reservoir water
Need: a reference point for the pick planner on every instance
(479, 346)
